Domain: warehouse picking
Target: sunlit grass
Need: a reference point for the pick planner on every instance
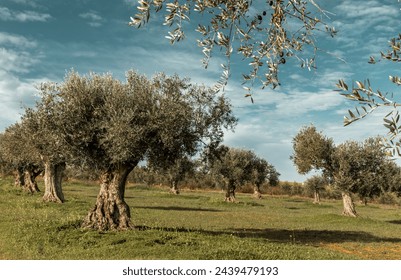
(194, 225)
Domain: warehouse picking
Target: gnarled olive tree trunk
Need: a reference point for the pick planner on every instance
(30, 184)
(256, 192)
(174, 187)
(230, 192)
(53, 178)
(349, 206)
(111, 212)
(19, 175)
(316, 195)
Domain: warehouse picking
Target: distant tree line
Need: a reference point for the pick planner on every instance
(227, 168)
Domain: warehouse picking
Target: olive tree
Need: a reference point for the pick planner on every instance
(357, 169)
(315, 184)
(112, 125)
(17, 151)
(262, 172)
(238, 166)
(9, 166)
(177, 171)
(41, 128)
(235, 167)
(312, 151)
(391, 174)
(266, 34)
(353, 167)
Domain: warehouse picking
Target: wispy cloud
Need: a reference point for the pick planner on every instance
(25, 16)
(31, 3)
(15, 94)
(95, 20)
(16, 40)
(358, 18)
(15, 61)
(131, 3)
(14, 56)
(366, 9)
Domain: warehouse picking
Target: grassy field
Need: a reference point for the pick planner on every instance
(195, 225)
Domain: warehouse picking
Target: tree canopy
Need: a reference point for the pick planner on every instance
(312, 150)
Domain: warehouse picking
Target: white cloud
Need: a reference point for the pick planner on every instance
(366, 10)
(15, 92)
(16, 40)
(301, 102)
(84, 53)
(95, 20)
(358, 22)
(91, 15)
(25, 16)
(15, 61)
(31, 3)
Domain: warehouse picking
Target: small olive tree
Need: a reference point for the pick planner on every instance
(315, 184)
(238, 166)
(262, 172)
(312, 151)
(177, 171)
(18, 152)
(235, 168)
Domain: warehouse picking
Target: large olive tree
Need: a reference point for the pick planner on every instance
(112, 125)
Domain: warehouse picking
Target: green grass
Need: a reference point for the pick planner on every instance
(194, 225)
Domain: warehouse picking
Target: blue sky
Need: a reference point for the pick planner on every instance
(40, 40)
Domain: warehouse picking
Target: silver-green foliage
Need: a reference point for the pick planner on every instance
(369, 100)
(279, 30)
(104, 121)
(238, 166)
(362, 168)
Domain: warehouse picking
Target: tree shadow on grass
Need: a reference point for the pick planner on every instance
(306, 237)
(177, 208)
(396, 222)
(296, 200)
